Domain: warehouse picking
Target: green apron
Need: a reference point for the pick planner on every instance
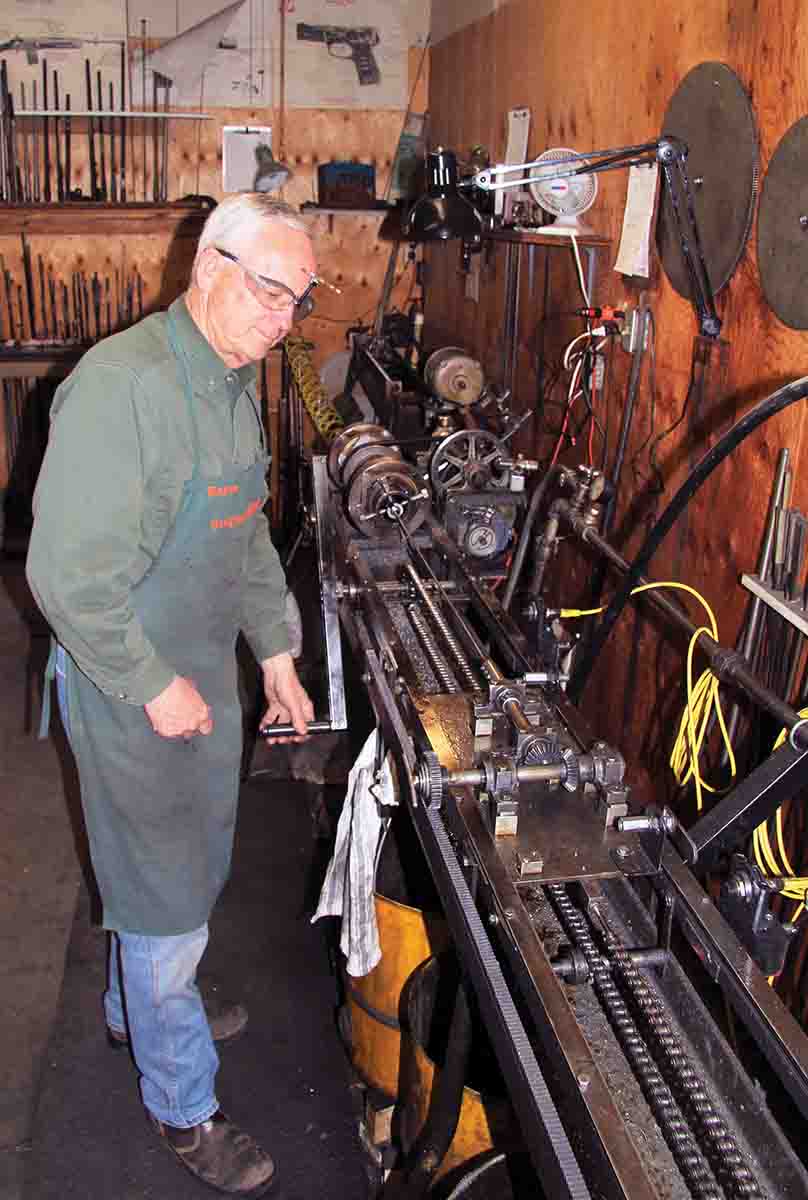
(160, 813)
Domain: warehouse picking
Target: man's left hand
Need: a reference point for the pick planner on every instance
(288, 702)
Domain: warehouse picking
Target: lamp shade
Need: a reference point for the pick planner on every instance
(442, 213)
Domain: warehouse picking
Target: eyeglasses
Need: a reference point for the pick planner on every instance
(274, 295)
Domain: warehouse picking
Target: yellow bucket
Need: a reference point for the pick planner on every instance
(407, 936)
(487, 1121)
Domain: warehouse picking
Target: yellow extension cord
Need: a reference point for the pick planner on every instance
(795, 886)
(702, 698)
(684, 758)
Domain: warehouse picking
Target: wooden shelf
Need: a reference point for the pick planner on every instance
(526, 237)
(99, 219)
(309, 207)
(52, 362)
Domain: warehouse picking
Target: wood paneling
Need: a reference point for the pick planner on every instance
(599, 75)
(348, 247)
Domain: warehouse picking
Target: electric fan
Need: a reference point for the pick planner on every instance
(566, 197)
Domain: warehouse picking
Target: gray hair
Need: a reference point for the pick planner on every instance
(240, 218)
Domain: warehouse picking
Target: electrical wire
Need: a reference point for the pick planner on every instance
(795, 887)
(703, 699)
(580, 269)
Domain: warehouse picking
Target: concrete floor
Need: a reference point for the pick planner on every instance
(39, 873)
(42, 858)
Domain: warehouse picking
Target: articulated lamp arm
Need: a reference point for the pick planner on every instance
(671, 154)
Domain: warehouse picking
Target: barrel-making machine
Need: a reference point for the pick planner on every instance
(618, 961)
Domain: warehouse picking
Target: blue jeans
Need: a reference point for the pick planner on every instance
(152, 986)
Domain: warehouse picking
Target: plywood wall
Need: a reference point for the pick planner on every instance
(599, 75)
(349, 249)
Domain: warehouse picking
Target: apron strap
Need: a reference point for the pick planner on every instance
(47, 687)
(182, 359)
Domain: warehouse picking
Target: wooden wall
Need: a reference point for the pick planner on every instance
(598, 75)
(348, 247)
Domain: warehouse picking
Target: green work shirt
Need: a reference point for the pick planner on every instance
(119, 454)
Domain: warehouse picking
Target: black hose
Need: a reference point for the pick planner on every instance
(524, 537)
(767, 408)
(447, 1096)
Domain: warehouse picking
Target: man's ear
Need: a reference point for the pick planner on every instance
(205, 268)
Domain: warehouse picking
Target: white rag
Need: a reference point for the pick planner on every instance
(350, 880)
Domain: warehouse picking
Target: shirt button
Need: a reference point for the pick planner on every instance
(122, 696)
(212, 384)
(230, 378)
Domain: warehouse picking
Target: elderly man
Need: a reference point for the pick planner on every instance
(149, 553)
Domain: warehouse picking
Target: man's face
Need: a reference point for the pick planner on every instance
(240, 328)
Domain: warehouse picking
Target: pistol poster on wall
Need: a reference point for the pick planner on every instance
(346, 54)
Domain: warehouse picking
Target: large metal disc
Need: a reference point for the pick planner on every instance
(712, 114)
(783, 228)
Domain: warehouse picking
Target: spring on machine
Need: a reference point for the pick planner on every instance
(324, 416)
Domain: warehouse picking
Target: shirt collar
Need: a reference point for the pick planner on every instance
(205, 362)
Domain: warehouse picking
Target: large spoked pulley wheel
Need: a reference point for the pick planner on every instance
(468, 460)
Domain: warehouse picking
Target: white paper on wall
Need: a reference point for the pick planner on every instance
(221, 59)
(635, 240)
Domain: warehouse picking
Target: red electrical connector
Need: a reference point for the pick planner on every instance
(607, 313)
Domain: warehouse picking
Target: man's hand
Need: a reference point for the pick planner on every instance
(179, 711)
(287, 699)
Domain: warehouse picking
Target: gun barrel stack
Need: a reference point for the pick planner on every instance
(36, 145)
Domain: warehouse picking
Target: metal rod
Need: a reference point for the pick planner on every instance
(93, 112)
(29, 285)
(164, 133)
(122, 124)
(155, 144)
(764, 561)
(35, 139)
(4, 189)
(60, 179)
(45, 133)
(68, 149)
(26, 163)
(91, 130)
(113, 166)
(143, 96)
(450, 641)
(103, 153)
(727, 665)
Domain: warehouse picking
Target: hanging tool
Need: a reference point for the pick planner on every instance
(68, 138)
(12, 332)
(113, 166)
(91, 131)
(164, 135)
(103, 156)
(60, 179)
(54, 313)
(45, 133)
(123, 125)
(35, 139)
(143, 96)
(10, 165)
(29, 285)
(3, 146)
(43, 308)
(26, 164)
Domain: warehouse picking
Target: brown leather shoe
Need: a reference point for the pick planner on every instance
(224, 1027)
(221, 1155)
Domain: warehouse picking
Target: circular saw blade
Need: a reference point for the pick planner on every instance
(782, 241)
(711, 112)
